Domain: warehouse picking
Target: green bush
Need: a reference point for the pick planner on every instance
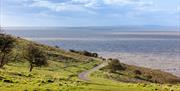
(114, 65)
(137, 72)
(86, 53)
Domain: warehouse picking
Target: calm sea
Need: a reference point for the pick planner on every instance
(106, 39)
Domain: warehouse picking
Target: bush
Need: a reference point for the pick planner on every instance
(137, 72)
(114, 65)
(56, 46)
(86, 53)
(110, 59)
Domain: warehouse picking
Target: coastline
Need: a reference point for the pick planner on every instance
(165, 63)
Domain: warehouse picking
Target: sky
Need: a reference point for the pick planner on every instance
(89, 12)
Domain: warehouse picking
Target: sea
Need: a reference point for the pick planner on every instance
(152, 47)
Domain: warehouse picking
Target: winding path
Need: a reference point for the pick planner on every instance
(84, 75)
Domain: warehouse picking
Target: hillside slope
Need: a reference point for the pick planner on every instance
(61, 73)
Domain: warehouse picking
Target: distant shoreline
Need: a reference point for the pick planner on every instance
(91, 39)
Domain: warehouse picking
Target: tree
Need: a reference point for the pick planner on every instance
(6, 46)
(86, 53)
(114, 65)
(35, 56)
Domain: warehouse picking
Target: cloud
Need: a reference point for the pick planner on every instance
(120, 2)
(71, 6)
(86, 5)
(54, 6)
(127, 3)
(92, 12)
(93, 6)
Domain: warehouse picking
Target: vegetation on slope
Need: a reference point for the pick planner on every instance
(129, 73)
(60, 73)
(86, 53)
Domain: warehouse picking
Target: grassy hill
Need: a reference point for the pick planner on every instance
(61, 73)
(134, 74)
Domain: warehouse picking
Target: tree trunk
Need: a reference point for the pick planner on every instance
(31, 67)
(2, 60)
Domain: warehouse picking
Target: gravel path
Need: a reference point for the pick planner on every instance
(84, 75)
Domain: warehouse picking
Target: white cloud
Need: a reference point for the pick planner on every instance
(137, 3)
(117, 2)
(52, 6)
(73, 5)
(86, 5)
(68, 11)
(92, 6)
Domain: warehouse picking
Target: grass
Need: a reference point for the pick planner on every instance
(62, 74)
(136, 74)
(16, 77)
(56, 77)
(113, 85)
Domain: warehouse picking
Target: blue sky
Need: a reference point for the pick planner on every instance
(89, 12)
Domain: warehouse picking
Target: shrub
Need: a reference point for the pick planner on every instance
(71, 50)
(115, 65)
(8, 81)
(56, 46)
(50, 81)
(137, 72)
(110, 59)
(86, 53)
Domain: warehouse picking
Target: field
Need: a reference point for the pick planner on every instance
(61, 73)
(16, 77)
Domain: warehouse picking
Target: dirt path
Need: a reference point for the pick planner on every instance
(84, 74)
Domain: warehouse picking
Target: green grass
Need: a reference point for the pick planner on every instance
(62, 74)
(58, 76)
(16, 77)
(113, 85)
